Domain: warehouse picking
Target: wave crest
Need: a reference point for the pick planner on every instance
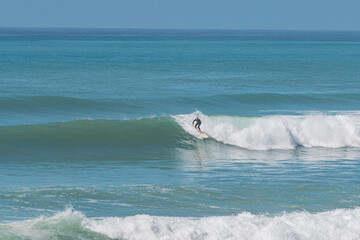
(254, 133)
(279, 131)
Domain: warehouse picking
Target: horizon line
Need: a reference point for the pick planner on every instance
(183, 29)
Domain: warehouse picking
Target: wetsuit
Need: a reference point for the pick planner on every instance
(198, 123)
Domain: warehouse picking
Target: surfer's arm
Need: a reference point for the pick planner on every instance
(193, 122)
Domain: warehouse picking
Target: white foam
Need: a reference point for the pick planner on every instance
(44, 227)
(336, 224)
(279, 131)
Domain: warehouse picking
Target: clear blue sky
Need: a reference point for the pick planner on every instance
(184, 14)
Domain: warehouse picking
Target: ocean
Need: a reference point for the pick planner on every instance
(97, 142)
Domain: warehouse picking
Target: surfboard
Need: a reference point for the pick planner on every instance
(202, 134)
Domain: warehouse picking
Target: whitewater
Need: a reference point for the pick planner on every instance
(338, 224)
(280, 131)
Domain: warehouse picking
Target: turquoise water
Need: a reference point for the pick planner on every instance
(96, 139)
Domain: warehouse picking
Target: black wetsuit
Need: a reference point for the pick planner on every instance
(198, 123)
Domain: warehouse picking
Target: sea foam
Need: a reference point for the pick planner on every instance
(279, 131)
(71, 224)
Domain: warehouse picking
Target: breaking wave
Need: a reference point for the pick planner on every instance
(71, 224)
(254, 133)
(279, 131)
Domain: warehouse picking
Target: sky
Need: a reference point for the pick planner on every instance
(183, 14)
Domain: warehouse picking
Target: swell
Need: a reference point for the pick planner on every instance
(270, 98)
(31, 104)
(250, 102)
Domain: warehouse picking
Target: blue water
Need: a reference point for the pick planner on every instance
(96, 139)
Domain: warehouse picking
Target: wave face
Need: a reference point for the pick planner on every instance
(254, 133)
(279, 131)
(137, 132)
(71, 224)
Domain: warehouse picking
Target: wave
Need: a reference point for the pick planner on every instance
(254, 133)
(281, 98)
(30, 104)
(90, 133)
(71, 224)
(279, 131)
(48, 109)
(57, 104)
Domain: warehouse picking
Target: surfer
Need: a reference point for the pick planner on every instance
(198, 123)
